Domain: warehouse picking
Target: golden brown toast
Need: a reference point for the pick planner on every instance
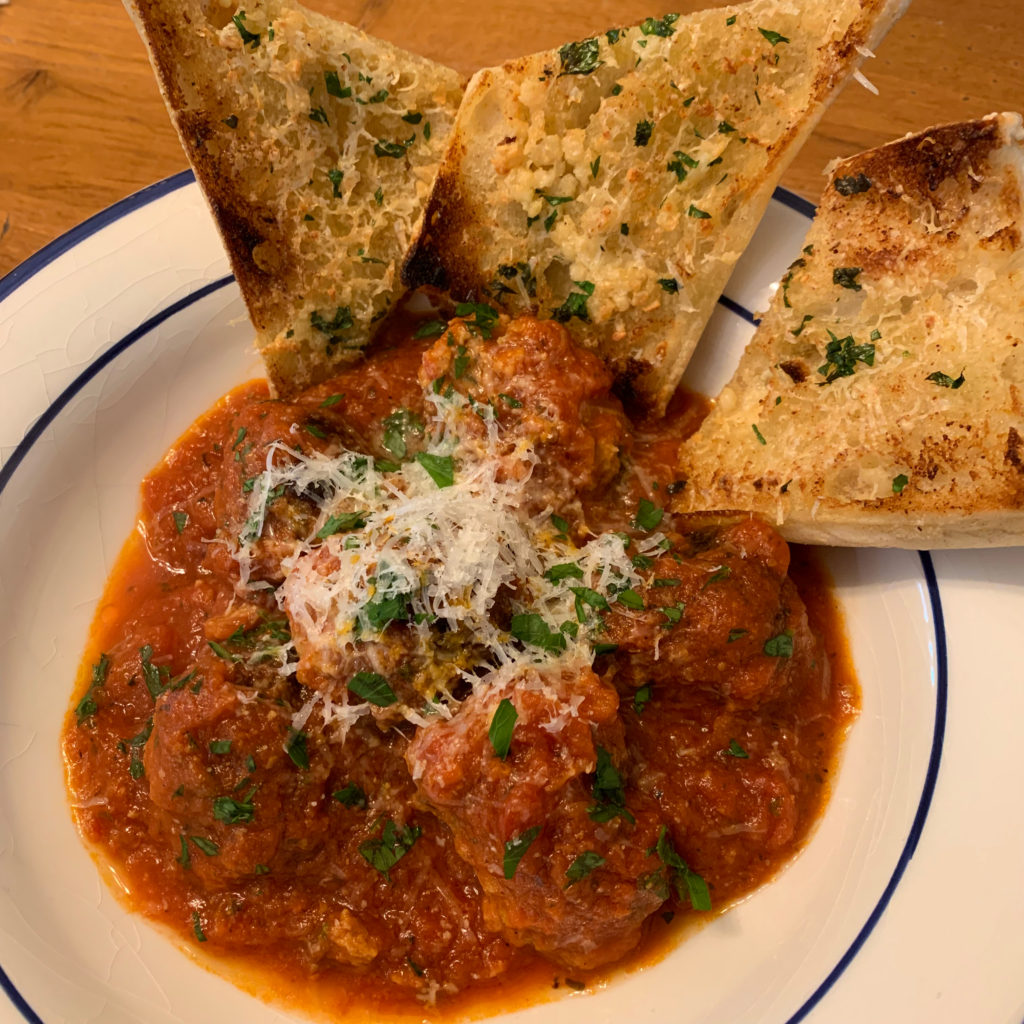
(881, 400)
(614, 182)
(315, 145)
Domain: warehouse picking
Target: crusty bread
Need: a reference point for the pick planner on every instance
(614, 182)
(316, 146)
(881, 400)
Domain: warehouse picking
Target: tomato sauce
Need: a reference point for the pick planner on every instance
(347, 876)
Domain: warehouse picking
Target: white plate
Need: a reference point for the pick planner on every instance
(908, 903)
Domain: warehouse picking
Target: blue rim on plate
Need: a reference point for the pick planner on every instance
(69, 240)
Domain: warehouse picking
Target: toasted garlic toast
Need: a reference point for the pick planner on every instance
(614, 182)
(316, 146)
(881, 400)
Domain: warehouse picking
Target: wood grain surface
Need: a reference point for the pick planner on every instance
(82, 124)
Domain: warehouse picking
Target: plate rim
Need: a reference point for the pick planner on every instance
(24, 272)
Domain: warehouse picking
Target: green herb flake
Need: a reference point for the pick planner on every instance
(737, 634)
(563, 571)
(197, 926)
(341, 321)
(220, 746)
(205, 846)
(842, 356)
(630, 599)
(335, 176)
(642, 697)
(669, 284)
(648, 515)
(318, 114)
(394, 150)
(350, 795)
(580, 58)
(430, 329)
(899, 482)
(758, 434)
(560, 524)
(378, 198)
(516, 848)
(608, 792)
(582, 866)
(297, 748)
(797, 331)
(502, 725)
(342, 523)
(773, 37)
(248, 38)
(846, 277)
(595, 166)
(399, 427)
(659, 26)
(441, 468)
(943, 380)
(688, 883)
(699, 214)
(780, 646)
(512, 403)
(231, 121)
(735, 750)
(373, 688)
(484, 317)
(642, 133)
(530, 628)
(234, 812)
(681, 164)
(731, 20)
(413, 117)
(87, 707)
(334, 86)
(672, 613)
(394, 843)
(575, 304)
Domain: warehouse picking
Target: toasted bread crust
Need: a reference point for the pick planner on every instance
(276, 111)
(910, 433)
(661, 155)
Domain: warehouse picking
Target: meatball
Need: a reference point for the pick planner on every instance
(547, 395)
(719, 613)
(576, 891)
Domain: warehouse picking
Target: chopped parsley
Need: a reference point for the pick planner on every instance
(248, 38)
(373, 688)
(642, 134)
(693, 211)
(394, 843)
(758, 434)
(580, 58)
(609, 795)
(335, 176)
(86, 707)
(943, 380)
(669, 284)
(642, 697)
(502, 725)
(563, 571)
(681, 164)
(688, 884)
(342, 523)
(395, 150)
(842, 356)
(350, 795)
(334, 86)
(648, 515)
(234, 812)
(398, 427)
(484, 317)
(899, 482)
(516, 848)
(780, 646)
(341, 321)
(846, 277)
(530, 628)
(659, 26)
(735, 750)
(582, 866)
(773, 37)
(296, 747)
(575, 304)
(441, 468)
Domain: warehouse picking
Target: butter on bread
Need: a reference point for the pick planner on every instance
(881, 400)
(614, 182)
(315, 146)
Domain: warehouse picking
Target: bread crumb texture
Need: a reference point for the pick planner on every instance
(316, 146)
(880, 400)
(612, 183)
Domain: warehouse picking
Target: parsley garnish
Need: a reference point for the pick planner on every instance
(394, 843)
(575, 304)
(335, 177)
(780, 646)
(86, 707)
(669, 284)
(392, 149)
(234, 812)
(563, 571)
(773, 37)
(687, 883)
(943, 380)
(899, 482)
(334, 86)
(693, 211)
(582, 866)
(758, 434)
(580, 58)
(297, 749)
(516, 848)
(197, 926)
(318, 114)
(398, 426)
(847, 277)
(502, 725)
(681, 164)
(648, 515)
(350, 795)
(842, 355)
(440, 467)
(373, 688)
(642, 698)
(735, 750)
(341, 523)
(642, 134)
(530, 628)
(430, 329)
(484, 316)
(341, 321)
(659, 27)
(609, 795)
(248, 38)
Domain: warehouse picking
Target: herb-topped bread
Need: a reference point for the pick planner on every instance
(316, 146)
(613, 183)
(881, 401)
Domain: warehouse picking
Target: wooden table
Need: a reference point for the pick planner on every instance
(82, 123)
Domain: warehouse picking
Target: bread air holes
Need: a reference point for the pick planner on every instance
(865, 479)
